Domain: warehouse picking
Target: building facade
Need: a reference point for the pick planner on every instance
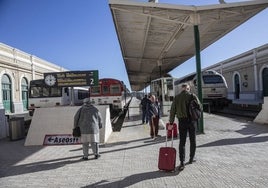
(246, 75)
(17, 69)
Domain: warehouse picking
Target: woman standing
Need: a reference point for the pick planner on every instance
(88, 118)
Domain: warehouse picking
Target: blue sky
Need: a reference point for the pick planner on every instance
(80, 35)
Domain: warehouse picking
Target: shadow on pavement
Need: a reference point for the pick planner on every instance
(106, 145)
(132, 118)
(13, 170)
(132, 179)
(134, 125)
(255, 134)
(234, 141)
(253, 129)
(146, 143)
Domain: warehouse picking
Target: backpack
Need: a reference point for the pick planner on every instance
(194, 109)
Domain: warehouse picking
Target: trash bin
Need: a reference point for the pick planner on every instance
(16, 128)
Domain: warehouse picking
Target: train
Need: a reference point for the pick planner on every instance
(214, 89)
(111, 92)
(41, 95)
(163, 89)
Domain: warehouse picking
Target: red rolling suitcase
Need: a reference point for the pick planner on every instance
(175, 130)
(167, 157)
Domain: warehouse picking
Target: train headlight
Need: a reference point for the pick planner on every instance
(116, 101)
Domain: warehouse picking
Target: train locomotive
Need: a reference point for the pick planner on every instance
(214, 87)
(111, 92)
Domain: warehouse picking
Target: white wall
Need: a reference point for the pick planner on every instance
(262, 117)
(59, 120)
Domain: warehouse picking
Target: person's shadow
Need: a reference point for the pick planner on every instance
(133, 179)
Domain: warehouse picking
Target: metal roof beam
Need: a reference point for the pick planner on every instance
(152, 16)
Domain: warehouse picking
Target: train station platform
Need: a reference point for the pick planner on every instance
(231, 153)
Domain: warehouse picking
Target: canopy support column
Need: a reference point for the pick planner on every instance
(198, 71)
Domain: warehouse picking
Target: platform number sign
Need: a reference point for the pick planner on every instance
(72, 78)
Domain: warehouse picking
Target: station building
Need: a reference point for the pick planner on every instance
(246, 76)
(17, 69)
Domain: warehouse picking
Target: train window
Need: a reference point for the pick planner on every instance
(45, 92)
(156, 86)
(95, 90)
(195, 82)
(212, 79)
(55, 92)
(169, 84)
(166, 98)
(105, 90)
(66, 90)
(35, 92)
(115, 89)
(82, 94)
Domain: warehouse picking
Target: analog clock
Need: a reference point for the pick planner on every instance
(50, 80)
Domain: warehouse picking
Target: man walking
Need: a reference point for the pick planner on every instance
(180, 108)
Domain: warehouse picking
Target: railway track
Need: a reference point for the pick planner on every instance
(246, 112)
(118, 120)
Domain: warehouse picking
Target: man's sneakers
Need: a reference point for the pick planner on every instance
(191, 161)
(181, 167)
(85, 158)
(97, 156)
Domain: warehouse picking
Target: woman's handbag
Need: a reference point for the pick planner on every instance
(76, 132)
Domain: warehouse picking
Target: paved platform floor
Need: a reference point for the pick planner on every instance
(231, 153)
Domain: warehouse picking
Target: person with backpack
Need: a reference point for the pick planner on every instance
(180, 109)
(144, 106)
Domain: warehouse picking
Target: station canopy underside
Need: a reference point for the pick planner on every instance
(158, 37)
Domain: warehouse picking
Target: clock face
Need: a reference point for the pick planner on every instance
(50, 80)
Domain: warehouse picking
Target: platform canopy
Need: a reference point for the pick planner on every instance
(155, 38)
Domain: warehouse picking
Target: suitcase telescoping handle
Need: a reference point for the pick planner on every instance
(167, 127)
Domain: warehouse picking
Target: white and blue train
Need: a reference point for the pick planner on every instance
(214, 89)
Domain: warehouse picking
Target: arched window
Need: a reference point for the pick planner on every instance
(24, 93)
(264, 81)
(237, 86)
(7, 93)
